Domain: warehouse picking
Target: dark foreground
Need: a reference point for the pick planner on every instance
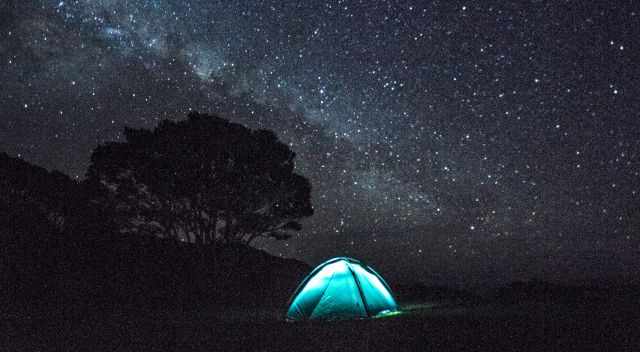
(527, 327)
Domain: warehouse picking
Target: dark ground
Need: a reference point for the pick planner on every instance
(607, 326)
(69, 280)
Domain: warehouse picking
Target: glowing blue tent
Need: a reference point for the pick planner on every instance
(341, 288)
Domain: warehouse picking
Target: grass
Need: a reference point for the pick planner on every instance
(419, 327)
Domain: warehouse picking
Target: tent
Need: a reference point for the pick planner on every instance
(341, 288)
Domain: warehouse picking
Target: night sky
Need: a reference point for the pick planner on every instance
(447, 142)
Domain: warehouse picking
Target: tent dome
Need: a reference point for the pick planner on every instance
(341, 288)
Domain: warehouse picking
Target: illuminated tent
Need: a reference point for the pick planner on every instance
(341, 288)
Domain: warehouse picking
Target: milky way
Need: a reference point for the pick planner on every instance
(446, 141)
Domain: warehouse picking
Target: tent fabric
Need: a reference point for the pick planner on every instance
(341, 288)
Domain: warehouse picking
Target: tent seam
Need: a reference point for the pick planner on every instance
(357, 280)
(322, 294)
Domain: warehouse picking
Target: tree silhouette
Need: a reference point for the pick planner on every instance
(202, 180)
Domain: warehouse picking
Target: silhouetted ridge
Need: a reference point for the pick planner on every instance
(163, 219)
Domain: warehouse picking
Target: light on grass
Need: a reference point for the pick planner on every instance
(388, 313)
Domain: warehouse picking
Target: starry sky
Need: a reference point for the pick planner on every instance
(447, 142)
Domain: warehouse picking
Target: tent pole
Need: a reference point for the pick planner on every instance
(364, 299)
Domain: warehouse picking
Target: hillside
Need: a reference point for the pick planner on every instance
(58, 249)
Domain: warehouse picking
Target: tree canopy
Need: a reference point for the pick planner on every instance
(201, 180)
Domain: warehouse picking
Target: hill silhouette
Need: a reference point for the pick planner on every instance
(69, 243)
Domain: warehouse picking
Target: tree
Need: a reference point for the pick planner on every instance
(201, 180)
